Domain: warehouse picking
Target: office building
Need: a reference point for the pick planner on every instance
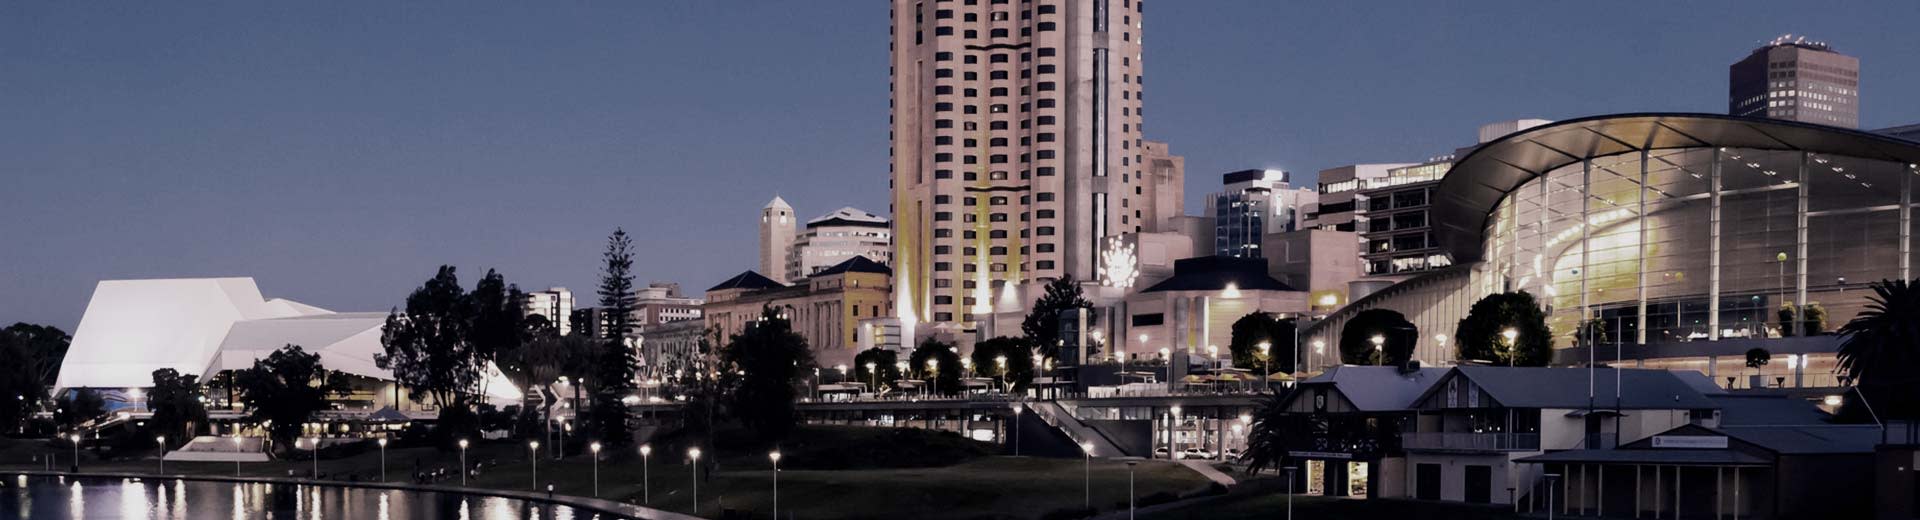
(1334, 210)
(826, 308)
(1682, 238)
(1797, 80)
(554, 304)
(1016, 146)
(776, 238)
(1254, 203)
(837, 237)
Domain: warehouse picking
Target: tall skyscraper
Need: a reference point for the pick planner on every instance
(1798, 80)
(776, 238)
(1254, 203)
(1016, 145)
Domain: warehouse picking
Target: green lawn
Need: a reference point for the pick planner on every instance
(1268, 506)
(978, 486)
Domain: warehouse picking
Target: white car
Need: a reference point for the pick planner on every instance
(1195, 453)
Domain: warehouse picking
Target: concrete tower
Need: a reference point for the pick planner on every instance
(1798, 80)
(776, 239)
(1017, 145)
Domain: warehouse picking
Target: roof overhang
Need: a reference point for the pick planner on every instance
(1478, 182)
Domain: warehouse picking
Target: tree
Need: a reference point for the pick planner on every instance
(77, 407)
(1042, 325)
(1356, 339)
(177, 408)
(1017, 371)
(1815, 320)
(946, 365)
(33, 354)
(768, 359)
(427, 347)
(1270, 436)
(613, 378)
(1880, 353)
(284, 390)
(1258, 327)
(1480, 335)
(883, 362)
(499, 322)
(1758, 357)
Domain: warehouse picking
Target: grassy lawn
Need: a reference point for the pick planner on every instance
(1266, 506)
(836, 473)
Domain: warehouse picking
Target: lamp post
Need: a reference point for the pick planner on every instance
(1511, 334)
(1290, 470)
(933, 370)
(1213, 351)
(1016, 429)
(775, 457)
(1319, 347)
(595, 447)
(1174, 420)
(1130, 493)
(1266, 366)
(236, 458)
(463, 464)
(1441, 341)
(533, 456)
(1379, 349)
(694, 453)
(872, 370)
(76, 451)
(1087, 472)
(316, 456)
(162, 441)
(1005, 383)
(646, 473)
(383, 460)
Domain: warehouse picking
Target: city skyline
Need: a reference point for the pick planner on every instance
(231, 160)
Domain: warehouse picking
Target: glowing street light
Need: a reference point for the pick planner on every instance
(1510, 334)
(646, 472)
(236, 459)
(463, 464)
(596, 467)
(1088, 472)
(775, 457)
(1166, 354)
(76, 451)
(871, 370)
(383, 459)
(1266, 363)
(1319, 347)
(1016, 428)
(1379, 349)
(694, 453)
(162, 441)
(533, 456)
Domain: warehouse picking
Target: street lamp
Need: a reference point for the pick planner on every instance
(694, 453)
(162, 441)
(1213, 351)
(1166, 354)
(933, 369)
(1319, 347)
(1441, 341)
(383, 459)
(463, 464)
(1510, 334)
(1087, 478)
(1290, 470)
(1379, 349)
(646, 473)
(1016, 428)
(1130, 493)
(76, 451)
(533, 456)
(316, 456)
(236, 458)
(1266, 363)
(1174, 420)
(872, 370)
(596, 467)
(775, 457)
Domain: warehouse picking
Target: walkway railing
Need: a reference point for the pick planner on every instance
(1470, 441)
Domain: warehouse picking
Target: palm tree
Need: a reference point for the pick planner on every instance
(1880, 348)
(1267, 440)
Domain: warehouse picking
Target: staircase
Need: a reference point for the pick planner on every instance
(1054, 415)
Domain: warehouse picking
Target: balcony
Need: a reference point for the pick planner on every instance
(1462, 441)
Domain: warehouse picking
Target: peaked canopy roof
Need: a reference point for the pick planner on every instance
(1213, 273)
(1377, 388)
(1478, 182)
(1566, 388)
(747, 280)
(857, 264)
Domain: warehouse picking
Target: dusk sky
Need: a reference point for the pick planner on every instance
(338, 152)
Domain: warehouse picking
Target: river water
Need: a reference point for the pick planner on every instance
(48, 497)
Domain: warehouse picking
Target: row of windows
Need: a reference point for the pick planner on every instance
(969, 267)
(996, 250)
(944, 216)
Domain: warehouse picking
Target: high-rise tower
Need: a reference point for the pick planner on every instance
(1798, 80)
(1016, 145)
(776, 239)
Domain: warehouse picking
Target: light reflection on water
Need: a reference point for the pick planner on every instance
(59, 497)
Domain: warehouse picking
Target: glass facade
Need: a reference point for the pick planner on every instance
(1700, 244)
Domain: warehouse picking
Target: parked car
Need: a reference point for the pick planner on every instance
(1195, 453)
(1160, 452)
(1233, 453)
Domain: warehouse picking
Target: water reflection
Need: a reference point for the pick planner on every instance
(59, 497)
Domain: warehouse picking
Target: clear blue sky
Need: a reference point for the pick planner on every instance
(339, 151)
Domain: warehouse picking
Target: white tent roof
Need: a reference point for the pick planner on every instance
(207, 325)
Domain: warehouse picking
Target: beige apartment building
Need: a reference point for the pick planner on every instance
(1016, 145)
(825, 308)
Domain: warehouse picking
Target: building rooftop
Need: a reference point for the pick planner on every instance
(1566, 388)
(857, 264)
(1214, 273)
(1378, 388)
(848, 216)
(747, 280)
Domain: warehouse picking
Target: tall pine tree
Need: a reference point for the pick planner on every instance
(1042, 325)
(613, 381)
